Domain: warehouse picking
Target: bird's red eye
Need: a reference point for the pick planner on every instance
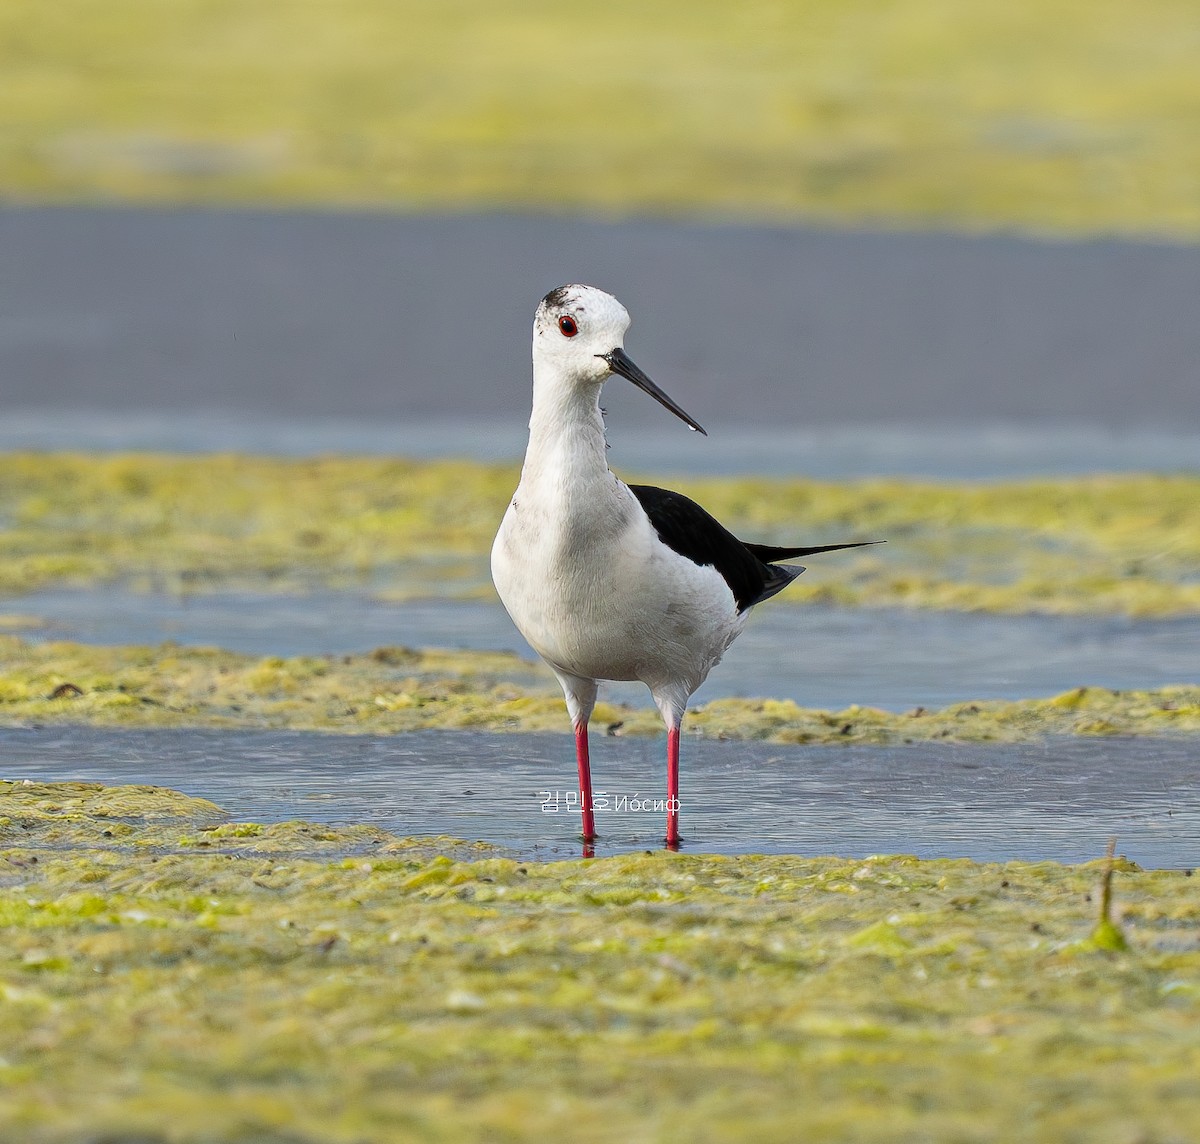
(567, 324)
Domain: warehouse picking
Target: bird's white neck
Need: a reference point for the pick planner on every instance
(566, 429)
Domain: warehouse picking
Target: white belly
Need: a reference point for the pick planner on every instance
(601, 597)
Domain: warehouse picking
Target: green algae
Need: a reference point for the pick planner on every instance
(188, 524)
(183, 996)
(1117, 544)
(1035, 114)
(398, 689)
(89, 815)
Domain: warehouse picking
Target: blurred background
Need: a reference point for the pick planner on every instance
(855, 235)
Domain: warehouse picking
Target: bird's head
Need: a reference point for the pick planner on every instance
(579, 338)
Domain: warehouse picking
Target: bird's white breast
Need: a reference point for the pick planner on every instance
(594, 591)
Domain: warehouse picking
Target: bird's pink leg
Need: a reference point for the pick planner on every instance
(585, 781)
(672, 838)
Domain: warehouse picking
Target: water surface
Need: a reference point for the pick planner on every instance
(640, 442)
(820, 657)
(368, 315)
(1057, 800)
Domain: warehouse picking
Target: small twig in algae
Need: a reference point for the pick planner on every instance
(1107, 934)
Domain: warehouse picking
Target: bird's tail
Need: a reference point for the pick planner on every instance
(768, 553)
(780, 577)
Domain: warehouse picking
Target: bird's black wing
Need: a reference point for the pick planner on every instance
(684, 527)
(768, 553)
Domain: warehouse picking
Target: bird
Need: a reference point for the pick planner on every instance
(613, 581)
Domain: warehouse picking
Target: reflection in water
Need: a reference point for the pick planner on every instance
(1058, 800)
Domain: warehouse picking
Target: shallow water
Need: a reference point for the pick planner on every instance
(820, 657)
(371, 315)
(1059, 800)
(958, 451)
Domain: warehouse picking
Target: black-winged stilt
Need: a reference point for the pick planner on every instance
(613, 581)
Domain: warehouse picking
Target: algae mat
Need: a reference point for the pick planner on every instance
(896, 659)
(260, 989)
(1039, 114)
(1125, 545)
(401, 689)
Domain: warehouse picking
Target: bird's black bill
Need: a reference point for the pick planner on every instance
(620, 363)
